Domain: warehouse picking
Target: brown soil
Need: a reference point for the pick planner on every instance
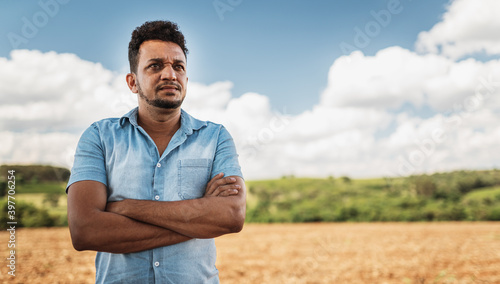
(298, 253)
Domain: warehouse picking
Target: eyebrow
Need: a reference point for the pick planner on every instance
(161, 60)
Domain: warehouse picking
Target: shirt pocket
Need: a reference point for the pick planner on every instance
(193, 177)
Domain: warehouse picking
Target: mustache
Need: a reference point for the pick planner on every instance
(173, 84)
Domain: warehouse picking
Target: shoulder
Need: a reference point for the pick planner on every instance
(107, 123)
(102, 124)
(193, 124)
(127, 119)
(96, 130)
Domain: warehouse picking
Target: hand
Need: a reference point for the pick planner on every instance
(222, 186)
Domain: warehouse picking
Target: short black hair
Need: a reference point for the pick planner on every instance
(154, 30)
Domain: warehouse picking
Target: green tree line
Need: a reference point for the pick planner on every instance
(454, 196)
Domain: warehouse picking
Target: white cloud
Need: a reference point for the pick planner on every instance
(442, 143)
(48, 99)
(324, 121)
(468, 27)
(395, 76)
(309, 144)
(201, 97)
(385, 80)
(53, 148)
(58, 92)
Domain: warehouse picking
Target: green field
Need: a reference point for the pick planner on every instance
(455, 196)
(40, 200)
(42, 187)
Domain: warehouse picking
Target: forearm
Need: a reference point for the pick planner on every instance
(206, 217)
(109, 232)
(92, 228)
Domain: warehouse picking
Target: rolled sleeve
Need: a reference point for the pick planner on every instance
(226, 157)
(89, 161)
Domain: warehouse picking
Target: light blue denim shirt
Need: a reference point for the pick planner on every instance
(120, 154)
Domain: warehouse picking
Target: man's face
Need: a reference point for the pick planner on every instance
(161, 75)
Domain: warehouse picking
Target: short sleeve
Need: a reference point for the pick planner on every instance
(226, 157)
(89, 161)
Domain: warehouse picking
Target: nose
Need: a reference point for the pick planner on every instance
(168, 73)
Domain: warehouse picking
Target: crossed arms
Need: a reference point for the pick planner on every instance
(135, 225)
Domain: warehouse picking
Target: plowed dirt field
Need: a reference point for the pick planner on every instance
(298, 253)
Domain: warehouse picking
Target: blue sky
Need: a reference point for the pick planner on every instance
(364, 88)
(282, 49)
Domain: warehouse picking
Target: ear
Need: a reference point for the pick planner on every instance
(131, 82)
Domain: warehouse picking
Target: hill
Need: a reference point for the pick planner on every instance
(452, 196)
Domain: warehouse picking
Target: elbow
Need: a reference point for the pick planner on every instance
(79, 246)
(79, 241)
(232, 222)
(238, 220)
(237, 227)
(81, 238)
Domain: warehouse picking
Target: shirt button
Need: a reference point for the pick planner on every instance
(158, 165)
(157, 197)
(157, 263)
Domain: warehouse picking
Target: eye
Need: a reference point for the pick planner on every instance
(155, 66)
(179, 67)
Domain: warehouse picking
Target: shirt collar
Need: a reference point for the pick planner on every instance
(188, 123)
(131, 116)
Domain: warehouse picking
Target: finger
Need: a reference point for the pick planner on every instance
(224, 181)
(228, 187)
(210, 188)
(228, 192)
(220, 182)
(214, 183)
(216, 177)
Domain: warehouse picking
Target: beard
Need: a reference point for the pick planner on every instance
(160, 103)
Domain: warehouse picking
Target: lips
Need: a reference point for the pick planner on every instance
(168, 87)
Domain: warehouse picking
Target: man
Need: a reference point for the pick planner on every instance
(150, 190)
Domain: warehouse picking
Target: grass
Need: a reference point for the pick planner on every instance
(484, 196)
(442, 197)
(43, 187)
(37, 199)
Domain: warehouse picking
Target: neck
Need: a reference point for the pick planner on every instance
(158, 121)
